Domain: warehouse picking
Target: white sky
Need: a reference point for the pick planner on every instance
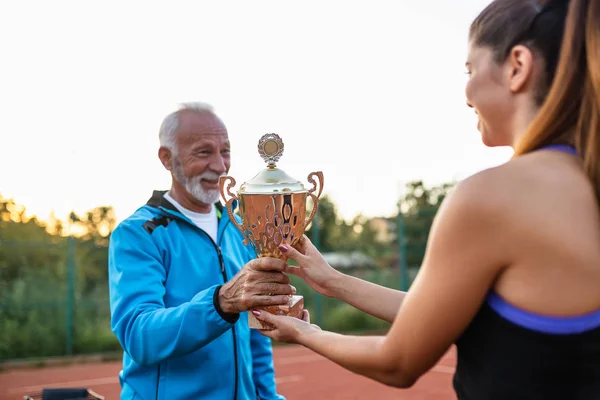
(369, 92)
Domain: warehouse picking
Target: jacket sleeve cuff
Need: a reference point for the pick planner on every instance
(229, 317)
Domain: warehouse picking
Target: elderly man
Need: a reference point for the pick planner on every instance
(181, 281)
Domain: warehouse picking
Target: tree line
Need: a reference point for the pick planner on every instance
(45, 265)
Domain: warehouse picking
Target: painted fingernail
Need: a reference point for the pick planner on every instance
(283, 247)
(256, 312)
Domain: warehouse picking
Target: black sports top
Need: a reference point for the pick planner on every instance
(507, 353)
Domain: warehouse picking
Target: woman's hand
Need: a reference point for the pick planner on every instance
(312, 267)
(287, 329)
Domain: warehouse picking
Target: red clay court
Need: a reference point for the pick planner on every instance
(300, 373)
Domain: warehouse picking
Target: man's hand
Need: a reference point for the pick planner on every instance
(261, 282)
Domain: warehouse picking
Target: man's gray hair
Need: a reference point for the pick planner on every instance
(169, 126)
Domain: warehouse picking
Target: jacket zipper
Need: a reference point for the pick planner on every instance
(235, 356)
(224, 274)
(158, 383)
(225, 279)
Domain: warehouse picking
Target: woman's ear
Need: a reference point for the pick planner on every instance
(519, 66)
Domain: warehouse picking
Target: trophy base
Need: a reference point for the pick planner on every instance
(294, 308)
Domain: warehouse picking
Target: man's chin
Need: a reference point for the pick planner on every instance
(206, 197)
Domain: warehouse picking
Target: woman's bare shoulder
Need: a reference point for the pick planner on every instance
(549, 177)
(530, 187)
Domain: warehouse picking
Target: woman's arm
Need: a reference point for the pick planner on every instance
(359, 354)
(373, 299)
(467, 249)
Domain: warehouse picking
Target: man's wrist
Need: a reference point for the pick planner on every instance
(229, 317)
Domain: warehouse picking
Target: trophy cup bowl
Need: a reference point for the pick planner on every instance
(272, 209)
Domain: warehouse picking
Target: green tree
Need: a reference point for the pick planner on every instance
(360, 234)
(33, 283)
(96, 224)
(23, 243)
(372, 238)
(419, 206)
(333, 230)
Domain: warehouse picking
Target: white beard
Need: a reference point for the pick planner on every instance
(194, 186)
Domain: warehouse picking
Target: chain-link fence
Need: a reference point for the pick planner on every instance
(54, 296)
(53, 299)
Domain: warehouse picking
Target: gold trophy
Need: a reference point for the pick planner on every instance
(272, 207)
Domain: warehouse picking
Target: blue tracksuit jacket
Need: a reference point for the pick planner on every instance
(163, 276)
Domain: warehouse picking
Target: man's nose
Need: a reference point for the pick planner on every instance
(217, 164)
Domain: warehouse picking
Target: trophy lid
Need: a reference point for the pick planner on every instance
(271, 180)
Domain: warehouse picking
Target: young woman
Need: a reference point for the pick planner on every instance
(511, 274)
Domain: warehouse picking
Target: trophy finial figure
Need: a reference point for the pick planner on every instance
(270, 148)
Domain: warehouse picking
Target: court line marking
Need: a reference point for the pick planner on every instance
(444, 369)
(288, 379)
(81, 383)
(299, 359)
(111, 380)
(279, 380)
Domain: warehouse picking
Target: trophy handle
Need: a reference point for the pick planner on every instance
(229, 203)
(315, 198)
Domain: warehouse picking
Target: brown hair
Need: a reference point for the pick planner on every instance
(570, 112)
(536, 24)
(500, 25)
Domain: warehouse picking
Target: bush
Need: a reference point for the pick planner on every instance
(33, 319)
(337, 316)
(33, 315)
(92, 330)
(347, 319)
